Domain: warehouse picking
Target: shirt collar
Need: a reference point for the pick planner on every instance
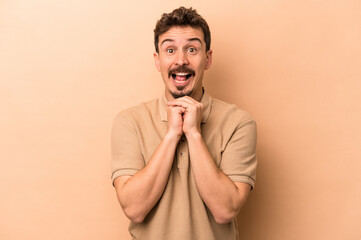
(206, 101)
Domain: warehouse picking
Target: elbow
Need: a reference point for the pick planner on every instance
(136, 219)
(223, 219)
(225, 216)
(134, 215)
(227, 213)
(133, 212)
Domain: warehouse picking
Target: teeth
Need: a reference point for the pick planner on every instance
(180, 81)
(181, 74)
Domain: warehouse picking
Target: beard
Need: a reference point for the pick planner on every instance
(180, 93)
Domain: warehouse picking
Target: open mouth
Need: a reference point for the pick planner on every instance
(181, 77)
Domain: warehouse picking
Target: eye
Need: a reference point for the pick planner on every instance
(192, 50)
(170, 50)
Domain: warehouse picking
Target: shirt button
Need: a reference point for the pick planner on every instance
(182, 153)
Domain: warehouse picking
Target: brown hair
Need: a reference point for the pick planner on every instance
(181, 17)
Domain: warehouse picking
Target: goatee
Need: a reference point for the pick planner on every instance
(181, 94)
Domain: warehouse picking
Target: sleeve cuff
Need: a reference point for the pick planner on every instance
(244, 179)
(123, 172)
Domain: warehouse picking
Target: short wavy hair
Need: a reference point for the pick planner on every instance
(181, 17)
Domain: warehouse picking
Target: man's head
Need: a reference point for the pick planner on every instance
(182, 43)
(182, 17)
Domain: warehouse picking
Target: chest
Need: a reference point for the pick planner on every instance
(150, 138)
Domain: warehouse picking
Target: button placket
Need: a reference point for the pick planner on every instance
(182, 153)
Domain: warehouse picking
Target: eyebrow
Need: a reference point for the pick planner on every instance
(189, 40)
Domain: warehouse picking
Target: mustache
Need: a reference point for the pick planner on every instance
(181, 69)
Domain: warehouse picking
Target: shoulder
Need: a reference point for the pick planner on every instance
(137, 113)
(230, 113)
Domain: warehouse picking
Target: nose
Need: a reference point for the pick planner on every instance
(181, 59)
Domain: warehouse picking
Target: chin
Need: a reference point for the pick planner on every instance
(179, 94)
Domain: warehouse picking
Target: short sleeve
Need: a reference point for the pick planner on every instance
(239, 159)
(126, 156)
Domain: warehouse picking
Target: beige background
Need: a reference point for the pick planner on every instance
(67, 67)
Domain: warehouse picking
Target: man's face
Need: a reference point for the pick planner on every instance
(181, 60)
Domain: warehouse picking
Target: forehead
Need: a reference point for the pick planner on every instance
(180, 33)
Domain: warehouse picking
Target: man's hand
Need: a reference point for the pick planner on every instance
(191, 111)
(175, 120)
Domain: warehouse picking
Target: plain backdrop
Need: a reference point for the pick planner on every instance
(68, 67)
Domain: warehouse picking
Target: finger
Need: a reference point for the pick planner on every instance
(177, 108)
(187, 103)
(184, 99)
(189, 99)
(180, 103)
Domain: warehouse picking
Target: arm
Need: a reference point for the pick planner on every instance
(223, 197)
(139, 193)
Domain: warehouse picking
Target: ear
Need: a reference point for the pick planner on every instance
(209, 59)
(156, 60)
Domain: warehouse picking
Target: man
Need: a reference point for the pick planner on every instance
(183, 164)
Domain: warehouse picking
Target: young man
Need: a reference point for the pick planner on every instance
(183, 164)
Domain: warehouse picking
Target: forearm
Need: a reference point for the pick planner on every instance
(140, 193)
(221, 195)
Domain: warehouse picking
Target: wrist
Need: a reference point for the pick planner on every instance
(193, 134)
(172, 136)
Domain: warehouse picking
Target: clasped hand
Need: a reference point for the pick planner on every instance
(184, 116)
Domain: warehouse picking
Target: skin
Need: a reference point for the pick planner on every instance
(179, 47)
(137, 194)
